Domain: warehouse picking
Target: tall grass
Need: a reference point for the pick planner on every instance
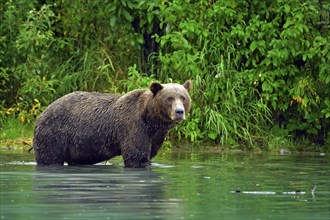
(91, 69)
(230, 118)
(13, 128)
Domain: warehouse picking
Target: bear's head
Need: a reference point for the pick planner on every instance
(171, 102)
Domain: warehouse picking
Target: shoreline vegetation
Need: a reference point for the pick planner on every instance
(18, 137)
(261, 70)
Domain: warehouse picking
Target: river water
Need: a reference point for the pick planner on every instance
(179, 185)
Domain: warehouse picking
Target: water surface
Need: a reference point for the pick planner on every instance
(179, 185)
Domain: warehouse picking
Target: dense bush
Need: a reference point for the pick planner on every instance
(261, 69)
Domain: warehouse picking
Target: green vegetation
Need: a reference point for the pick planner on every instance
(261, 69)
(15, 129)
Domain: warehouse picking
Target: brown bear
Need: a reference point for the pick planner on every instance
(87, 128)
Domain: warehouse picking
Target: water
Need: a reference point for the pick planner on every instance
(180, 185)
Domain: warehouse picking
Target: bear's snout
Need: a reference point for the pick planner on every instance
(179, 113)
(178, 110)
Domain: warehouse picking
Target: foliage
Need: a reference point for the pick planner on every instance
(260, 68)
(135, 80)
(24, 79)
(14, 129)
(276, 52)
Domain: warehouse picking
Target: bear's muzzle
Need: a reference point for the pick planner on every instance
(178, 111)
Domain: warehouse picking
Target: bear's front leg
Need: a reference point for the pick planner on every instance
(136, 155)
(156, 143)
(136, 159)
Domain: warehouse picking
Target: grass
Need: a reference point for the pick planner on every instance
(14, 134)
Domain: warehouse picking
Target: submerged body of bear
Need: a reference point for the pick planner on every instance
(87, 128)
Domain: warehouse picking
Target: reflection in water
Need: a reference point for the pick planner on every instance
(191, 185)
(97, 184)
(105, 192)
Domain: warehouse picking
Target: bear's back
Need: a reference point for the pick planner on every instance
(77, 107)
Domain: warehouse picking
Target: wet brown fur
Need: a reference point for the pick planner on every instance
(87, 128)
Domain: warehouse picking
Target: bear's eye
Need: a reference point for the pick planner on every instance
(183, 99)
(169, 99)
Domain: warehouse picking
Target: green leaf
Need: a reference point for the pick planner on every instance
(253, 46)
(139, 39)
(113, 21)
(300, 27)
(212, 135)
(288, 23)
(286, 8)
(127, 15)
(265, 86)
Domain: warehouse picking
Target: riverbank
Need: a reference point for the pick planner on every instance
(17, 136)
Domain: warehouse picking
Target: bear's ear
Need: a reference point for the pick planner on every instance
(188, 85)
(155, 87)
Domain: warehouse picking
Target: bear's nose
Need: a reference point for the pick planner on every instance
(179, 113)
